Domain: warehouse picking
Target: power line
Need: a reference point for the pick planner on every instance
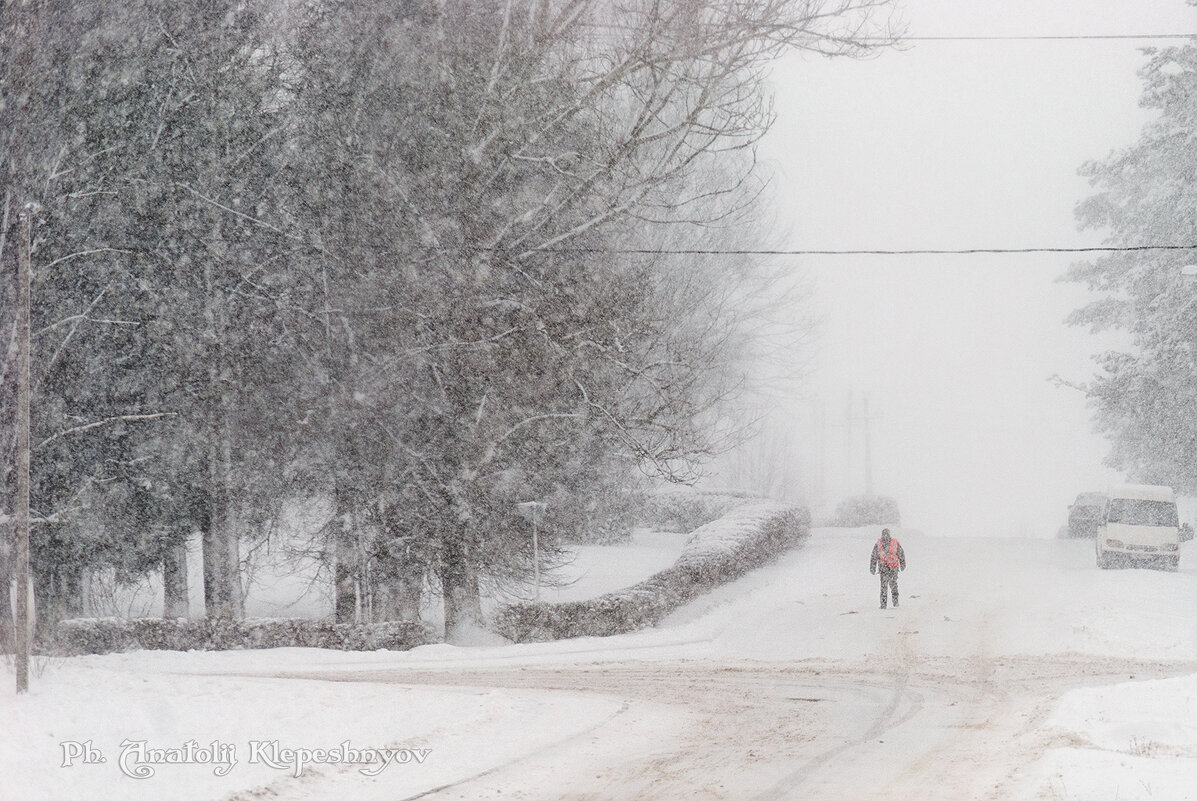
(644, 251)
(1043, 37)
(857, 252)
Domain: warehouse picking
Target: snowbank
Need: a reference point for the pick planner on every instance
(716, 553)
(1129, 741)
(90, 726)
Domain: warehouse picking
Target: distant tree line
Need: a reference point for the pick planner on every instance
(377, 252)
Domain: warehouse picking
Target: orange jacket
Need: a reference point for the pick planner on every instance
(889, 558)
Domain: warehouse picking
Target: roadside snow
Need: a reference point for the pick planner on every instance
(1126, 742)
(90, 705)
(107, 706)
(984, 604)
(599, 569)
(1143, 718)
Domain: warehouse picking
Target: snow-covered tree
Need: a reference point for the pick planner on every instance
(144, 130)
(405, 256)
(1144, 396)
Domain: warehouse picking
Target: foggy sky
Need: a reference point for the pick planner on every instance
(949, 145)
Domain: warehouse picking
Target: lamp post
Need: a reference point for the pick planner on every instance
(533, 511)
(1189, 273)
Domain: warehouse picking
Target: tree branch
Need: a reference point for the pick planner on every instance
(124, 418)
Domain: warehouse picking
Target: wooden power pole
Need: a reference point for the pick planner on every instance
(22, 617)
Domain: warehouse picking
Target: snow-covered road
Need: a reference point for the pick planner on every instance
(1014, 669)
(792, 684)
(915, 728)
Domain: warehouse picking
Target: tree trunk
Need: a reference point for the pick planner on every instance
(398, 589)
(232, 549)
(214, 548)
(174, 582)
(459, 585)
(223, 595)
(59, 595)
(345, 573)
(222, 580)
(7, 542)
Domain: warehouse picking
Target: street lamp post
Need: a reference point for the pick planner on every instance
(533, 511)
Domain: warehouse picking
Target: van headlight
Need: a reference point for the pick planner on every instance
(1115, 544)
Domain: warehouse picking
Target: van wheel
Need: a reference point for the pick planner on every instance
(1171, 563)
(1103, 561)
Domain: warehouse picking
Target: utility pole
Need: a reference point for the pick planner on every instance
(821, 468)
(22, 623)
(868, 444)
(851, 418)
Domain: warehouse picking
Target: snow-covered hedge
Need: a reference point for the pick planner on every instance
(716, 553)
(108, 635)
(685, 509)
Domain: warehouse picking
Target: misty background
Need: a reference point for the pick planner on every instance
(955, 145)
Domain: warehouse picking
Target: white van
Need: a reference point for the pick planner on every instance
(1139, 524)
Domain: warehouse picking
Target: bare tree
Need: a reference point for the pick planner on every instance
(517, 151)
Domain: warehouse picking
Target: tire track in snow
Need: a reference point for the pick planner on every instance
(511, 763)
(762, 730)
(887, 720)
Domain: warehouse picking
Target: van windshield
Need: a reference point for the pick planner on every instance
(1134, 512)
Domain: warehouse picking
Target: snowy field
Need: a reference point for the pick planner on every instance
(1013, 669)
(286, 586)
(599, 569)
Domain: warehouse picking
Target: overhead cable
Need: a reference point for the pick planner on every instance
(1044, 37)
(856, 252)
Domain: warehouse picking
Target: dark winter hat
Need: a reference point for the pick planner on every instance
(885, 532)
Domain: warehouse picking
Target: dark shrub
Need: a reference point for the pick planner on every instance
(685, 510)
(867, 510)
(109, 635)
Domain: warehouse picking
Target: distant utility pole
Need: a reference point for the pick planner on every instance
(22, 623)
(868, 443)
(821, 467)
(866, 418)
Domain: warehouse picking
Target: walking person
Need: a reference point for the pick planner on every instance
(888, 558)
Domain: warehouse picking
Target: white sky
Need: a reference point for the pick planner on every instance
(958, 145)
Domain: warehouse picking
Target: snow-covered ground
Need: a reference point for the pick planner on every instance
(599, 569)
(1013, 669)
